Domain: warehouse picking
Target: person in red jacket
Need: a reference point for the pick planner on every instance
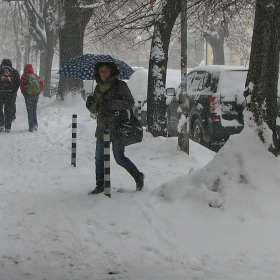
(31, 85)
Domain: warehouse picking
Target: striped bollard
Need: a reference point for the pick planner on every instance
(139, 111)
(107, 182)
(74, 138)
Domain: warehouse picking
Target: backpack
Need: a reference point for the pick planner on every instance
(32, 84)
(6, 76)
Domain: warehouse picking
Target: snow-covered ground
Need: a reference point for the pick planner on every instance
(219, 221)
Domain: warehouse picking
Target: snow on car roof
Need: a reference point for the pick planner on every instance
(219, 68)
(228, 77)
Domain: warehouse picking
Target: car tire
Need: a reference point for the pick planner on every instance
(197, 135)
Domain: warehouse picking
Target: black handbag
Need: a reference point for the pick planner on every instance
(131, 130)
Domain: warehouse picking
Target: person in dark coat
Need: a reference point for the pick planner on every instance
(9, 84)
(111, 95)
(31, 101)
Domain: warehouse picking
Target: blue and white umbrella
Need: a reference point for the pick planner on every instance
(82, 67)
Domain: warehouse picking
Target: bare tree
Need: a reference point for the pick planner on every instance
(153, 20)
(18, 27)
(132, 19)
(222, 21)
(43, 28)
(74, 18)
(121, 23)
(262, 79)
(216, 37)
(12, 22)
(163, 25)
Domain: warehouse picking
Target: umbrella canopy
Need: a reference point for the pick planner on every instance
(82, 67)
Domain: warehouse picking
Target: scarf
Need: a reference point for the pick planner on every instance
(105, 85)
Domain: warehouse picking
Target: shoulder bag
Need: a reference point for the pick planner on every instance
(131, 130)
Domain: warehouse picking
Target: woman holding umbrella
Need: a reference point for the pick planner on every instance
(111, 95)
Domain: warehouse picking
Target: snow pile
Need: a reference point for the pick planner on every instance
(236, 180)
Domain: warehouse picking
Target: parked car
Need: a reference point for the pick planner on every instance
(216, 103)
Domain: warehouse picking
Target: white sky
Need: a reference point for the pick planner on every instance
(51, 229)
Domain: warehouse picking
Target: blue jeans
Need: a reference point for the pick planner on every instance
(31, 102)
(118, 151)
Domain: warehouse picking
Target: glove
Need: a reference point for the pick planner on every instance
(89, 101)
(90, 104)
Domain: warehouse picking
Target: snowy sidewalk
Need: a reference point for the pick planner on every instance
(51, 229)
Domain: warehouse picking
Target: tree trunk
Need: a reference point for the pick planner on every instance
(262, 78)
(27, 50)
(18, 57)
(51, 36)
(48, 68)
(156, 100)
(42, 66)
(71, 37)
(216, 41)
(183, 135)
(17, 44)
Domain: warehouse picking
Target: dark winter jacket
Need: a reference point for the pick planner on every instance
(107, 104)
(28, 69)
(13, 86)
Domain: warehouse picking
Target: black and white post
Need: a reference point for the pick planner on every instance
(139, 111)
(74, 140)
(107, 180)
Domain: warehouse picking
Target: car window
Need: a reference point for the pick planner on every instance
(197, 83)
(206, 82)
(190, 77)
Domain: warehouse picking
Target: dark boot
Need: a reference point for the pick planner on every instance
(138, 177)
(99, 184)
